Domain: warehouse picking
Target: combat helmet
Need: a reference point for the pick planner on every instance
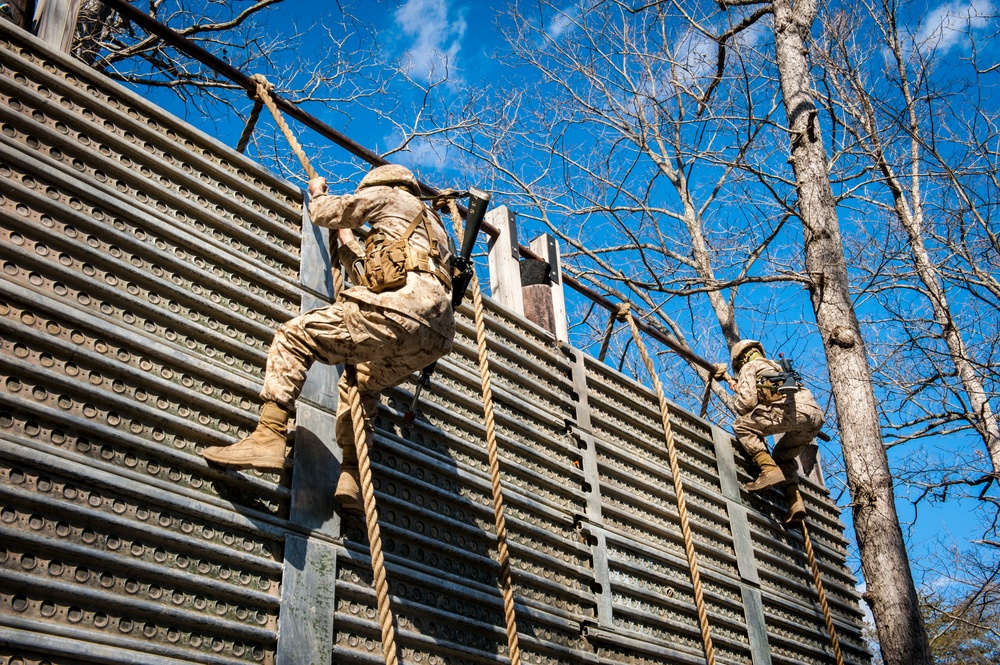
(740, 348)
(390, 175)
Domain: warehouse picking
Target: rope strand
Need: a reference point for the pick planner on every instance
(362, 434)
(264, 94)
(506, 582)
(821, 592)
(625, 313)
(241, 145)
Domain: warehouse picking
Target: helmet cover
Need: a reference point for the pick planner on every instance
(390, 175)
(741, 348)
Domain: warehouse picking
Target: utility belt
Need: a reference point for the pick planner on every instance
(767, 393)
(387, 262)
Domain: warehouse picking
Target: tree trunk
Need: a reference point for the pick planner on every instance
(891, 593)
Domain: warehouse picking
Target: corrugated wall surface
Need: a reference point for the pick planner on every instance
(144, 268)
(143, 273)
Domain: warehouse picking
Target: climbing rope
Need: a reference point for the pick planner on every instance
(718, 374)
(241, 145)
(262, 97)
(827, 616)
(264, 89)
(606, 342)
(506, 582)
(362, 437)
(625, 314)
(362, 434)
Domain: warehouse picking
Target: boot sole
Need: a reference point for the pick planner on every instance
(259, 466)
(749, 487)
(350, 505)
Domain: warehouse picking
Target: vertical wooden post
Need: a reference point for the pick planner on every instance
(317, 456)
(810, 459)
(739, 526)
(56, 22)
(504, 260)
(547, 247)
(308, 585)
(542, 303)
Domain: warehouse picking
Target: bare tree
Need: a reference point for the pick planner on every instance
(613, 129)
(890, 588)
(234, 32)
(620, 155)
(337, 64)
(896, 129)
(962, 606)
(890, 591)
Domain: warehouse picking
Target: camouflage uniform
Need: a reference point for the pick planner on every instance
(386, 335)
(797, 416)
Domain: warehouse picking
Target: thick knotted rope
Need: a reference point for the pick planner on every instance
(506, 583)
(718, 374)
(827, 616)
(264, 94)
(606, 341)
(362, 434)
(241, 145)
(362, 437)
(625, 314)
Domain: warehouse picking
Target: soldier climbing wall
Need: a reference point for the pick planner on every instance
(146, 268)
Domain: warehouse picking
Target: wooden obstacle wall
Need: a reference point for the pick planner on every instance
(145, 266)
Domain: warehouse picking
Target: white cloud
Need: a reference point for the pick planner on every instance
(947, 27)
(696, 56)
(436, 32)
(567, 19)
(424, 154)
(562, 22)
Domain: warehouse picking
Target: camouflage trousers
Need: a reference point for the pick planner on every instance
(384, 346)
(798, 423)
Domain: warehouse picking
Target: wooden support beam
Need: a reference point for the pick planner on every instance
(55, 22)
(555, 302)
(504, 260)
(308, 585)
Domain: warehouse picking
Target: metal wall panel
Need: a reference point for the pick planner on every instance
(438, 518)
(145, 267)
(651, 592)
(143, 273)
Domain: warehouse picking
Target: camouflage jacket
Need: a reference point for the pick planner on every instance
(748, 392)
(390, 210)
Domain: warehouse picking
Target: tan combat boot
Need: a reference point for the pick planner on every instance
(348, 492)
(796, 506)
(263, 449)
(770, 474)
